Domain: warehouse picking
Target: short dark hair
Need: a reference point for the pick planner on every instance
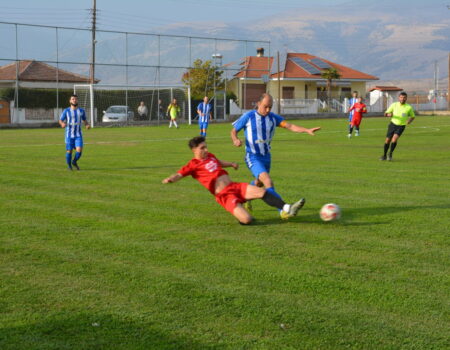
(74, 95)
(403, 94)
(194, 142)
(355, 92)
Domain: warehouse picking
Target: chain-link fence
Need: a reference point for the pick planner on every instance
(40, 65)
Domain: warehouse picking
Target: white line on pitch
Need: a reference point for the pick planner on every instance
(343, 131)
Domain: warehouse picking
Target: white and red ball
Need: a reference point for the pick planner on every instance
(330, 212)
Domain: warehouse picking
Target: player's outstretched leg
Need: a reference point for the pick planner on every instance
(293, 210)
(274, 200)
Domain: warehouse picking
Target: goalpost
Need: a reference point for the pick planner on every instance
(96, 99)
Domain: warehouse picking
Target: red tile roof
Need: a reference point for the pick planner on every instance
(255, 67)
(38, 71)
(386, 88)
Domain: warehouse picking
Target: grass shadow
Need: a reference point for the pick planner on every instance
(93, 331)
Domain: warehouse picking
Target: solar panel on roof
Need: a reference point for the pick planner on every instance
(274, 69)
(308, 67)
(321, 64)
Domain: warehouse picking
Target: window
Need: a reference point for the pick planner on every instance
(288, 92)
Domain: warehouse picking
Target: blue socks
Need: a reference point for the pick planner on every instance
(69, 159)
(75, 159)
(77, 156)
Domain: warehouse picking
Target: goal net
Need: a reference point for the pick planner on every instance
(99, 100)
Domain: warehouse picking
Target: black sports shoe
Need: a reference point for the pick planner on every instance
(75, 165)
(383, 158)
(389, 157)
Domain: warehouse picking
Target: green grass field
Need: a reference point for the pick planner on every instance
(110, 258)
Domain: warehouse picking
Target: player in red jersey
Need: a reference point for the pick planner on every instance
(208, 170)
(358, 109)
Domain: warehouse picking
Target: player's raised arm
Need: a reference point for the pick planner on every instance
(296, 128)
(172, 178)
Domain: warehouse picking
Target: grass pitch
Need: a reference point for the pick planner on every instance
(110, 258)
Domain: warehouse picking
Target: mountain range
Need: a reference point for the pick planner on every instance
(389, 39)
(393, 40)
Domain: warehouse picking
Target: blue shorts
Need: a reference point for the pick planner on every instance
(203, 126)
(258, 164)
(73, 143)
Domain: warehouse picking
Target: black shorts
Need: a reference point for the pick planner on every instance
(395, 129)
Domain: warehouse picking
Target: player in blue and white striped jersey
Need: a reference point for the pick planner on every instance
(259, 128)
(71, 119)
(204, 116)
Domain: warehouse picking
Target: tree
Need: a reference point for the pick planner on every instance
(330, 74)
(202, 77)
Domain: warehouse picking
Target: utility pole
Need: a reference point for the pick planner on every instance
(94, 20)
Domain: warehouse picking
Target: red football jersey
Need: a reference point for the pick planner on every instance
(359, 109)
(206, 171)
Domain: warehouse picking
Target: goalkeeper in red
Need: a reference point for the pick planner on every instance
(208, 170)
(358, 109)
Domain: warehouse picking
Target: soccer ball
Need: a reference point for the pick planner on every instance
(330, 212)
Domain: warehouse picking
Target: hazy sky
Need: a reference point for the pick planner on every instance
(149, 15)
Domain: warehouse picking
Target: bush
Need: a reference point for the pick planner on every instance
(38, 98)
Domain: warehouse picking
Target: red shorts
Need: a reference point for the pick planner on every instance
(231, 195)
(355, 121)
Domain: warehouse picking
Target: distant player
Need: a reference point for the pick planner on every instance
(204, 116)
(173, 110)
(358, 110)
(208, 170)
(259, 128)
(401, 114)
(71, 119)
(351, 102)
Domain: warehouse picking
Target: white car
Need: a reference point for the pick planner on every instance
(117, 114)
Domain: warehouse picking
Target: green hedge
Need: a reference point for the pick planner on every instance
(38, 98)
